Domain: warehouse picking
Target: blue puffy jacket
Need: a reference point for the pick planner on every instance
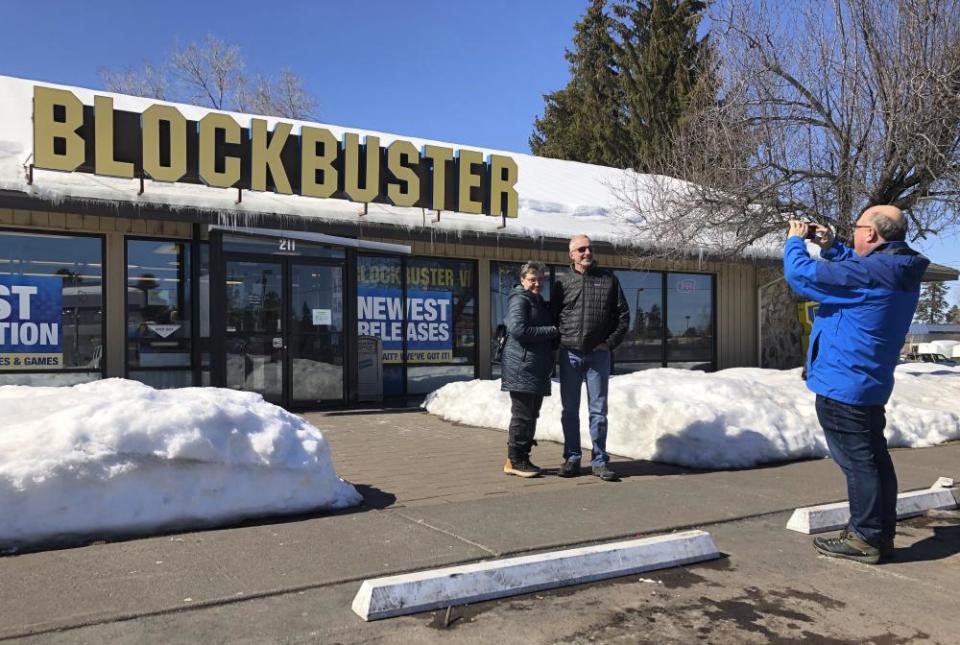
(866, 305)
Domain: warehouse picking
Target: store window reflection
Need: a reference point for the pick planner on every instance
(424, 312)
(504, 276)
(51, 308)
(441, 323)
(643, 343)
(159, 330)
(379, 314)
(690, 335)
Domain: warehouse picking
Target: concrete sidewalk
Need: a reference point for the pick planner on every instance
(435, 495)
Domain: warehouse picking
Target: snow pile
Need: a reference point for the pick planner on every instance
(117, 456)
(734, 418)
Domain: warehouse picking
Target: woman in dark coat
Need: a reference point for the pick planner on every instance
(526, 365)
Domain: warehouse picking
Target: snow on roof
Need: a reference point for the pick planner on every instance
(557, 198)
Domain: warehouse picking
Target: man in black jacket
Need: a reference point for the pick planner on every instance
(592, 315)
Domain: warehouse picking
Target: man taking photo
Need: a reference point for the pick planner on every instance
(867, 295)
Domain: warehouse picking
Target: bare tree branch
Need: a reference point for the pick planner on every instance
(827, 107)
(213, 73)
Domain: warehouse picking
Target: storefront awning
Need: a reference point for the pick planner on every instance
(318, 238)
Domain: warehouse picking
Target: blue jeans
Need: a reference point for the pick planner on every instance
(855, 438)
(575, 367)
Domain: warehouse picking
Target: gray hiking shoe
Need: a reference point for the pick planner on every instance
(569, 469)
(605, 473)
(848, 547)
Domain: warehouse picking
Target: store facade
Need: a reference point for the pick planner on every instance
(123, 254)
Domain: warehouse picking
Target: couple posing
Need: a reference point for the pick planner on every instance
(589, 316)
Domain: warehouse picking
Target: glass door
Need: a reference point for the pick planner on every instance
(255, 328)
(316, 341)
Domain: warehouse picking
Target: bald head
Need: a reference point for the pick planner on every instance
(889, 222)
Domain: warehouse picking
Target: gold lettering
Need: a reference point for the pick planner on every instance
(311, 162)
(208, 169)
(468, 179)
(104, 162)
(351, 167)
(439, 156)
(46, 130)
(263, 155)
(398, 154)
(503, 181)
(150, 121)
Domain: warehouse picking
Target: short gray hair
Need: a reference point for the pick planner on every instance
(889, 228)
(532, 267)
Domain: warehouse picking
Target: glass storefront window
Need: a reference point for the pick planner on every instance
(441, 322)
(671, 321)
(430, 328)
(690, 334)
(159, 330)
(644, 339)
(51, 308)
(379, 294)
(504, 276)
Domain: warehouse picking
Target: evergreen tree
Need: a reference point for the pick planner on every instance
(583, 121)
(932, 307)
(636, 68)
(953, 316)
(666, 71)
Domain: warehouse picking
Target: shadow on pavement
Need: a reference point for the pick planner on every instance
(373, 499)
(641, 468)
(944, 543)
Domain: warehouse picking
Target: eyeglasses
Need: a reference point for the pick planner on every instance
(862, 226)
(583, 249)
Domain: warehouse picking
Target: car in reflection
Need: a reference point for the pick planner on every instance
(927, 357)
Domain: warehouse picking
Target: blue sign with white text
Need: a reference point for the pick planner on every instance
(429, 330)
(31, 309)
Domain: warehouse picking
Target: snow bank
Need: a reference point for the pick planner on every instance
(117, 456)
(734, 418)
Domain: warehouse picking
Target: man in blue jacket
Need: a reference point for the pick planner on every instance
(867, 295)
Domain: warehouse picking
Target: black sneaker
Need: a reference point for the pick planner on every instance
(569, 469)
(605, 473)
(520, 468)
(847, 546)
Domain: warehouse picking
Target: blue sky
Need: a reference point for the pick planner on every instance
(471, 73)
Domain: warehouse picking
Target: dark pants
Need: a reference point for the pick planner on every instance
(855, 438)
(524, 410)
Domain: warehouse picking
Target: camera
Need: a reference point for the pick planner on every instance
(811, 231)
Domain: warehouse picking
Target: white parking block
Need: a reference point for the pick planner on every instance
(425, 590)
(829, 517)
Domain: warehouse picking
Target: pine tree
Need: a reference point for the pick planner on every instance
(932, 307)
(636, 68)
(583, 121)
(953, 316)
(665, 69)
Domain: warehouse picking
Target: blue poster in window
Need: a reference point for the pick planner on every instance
(429, 331)
(31, 330)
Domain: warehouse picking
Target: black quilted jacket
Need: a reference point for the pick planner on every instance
(528, 355)
(589, 309)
